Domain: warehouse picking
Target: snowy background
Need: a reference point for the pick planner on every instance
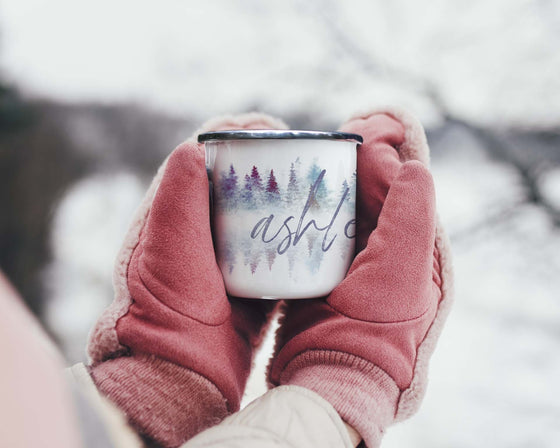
(112, 86)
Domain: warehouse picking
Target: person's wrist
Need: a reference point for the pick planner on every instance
(363, 394)
(162, 400)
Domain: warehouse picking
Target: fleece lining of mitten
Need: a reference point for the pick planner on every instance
(415, 147)
(164, 401)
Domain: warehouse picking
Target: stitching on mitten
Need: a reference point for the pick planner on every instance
(228, 315)
(390, 322)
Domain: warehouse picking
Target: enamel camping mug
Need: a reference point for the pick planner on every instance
(283, 215)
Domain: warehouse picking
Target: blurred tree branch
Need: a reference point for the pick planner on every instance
(528, 165)
(36, 165)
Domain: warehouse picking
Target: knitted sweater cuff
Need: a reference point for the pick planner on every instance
(163, 401)
(363, 394)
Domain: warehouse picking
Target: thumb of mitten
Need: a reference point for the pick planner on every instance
(175, 250)
(390, 280)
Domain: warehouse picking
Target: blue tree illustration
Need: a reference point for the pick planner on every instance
(312, 198)
(315, 253)
(311, 239)
(321, 193)
(345, 190)
(292, 256)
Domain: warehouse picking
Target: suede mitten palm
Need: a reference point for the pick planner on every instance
(365, 347)
(172, 351)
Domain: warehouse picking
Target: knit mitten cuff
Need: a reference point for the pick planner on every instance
(163, 401)
(363, 394)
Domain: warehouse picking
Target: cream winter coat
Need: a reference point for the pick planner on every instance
(284, 417)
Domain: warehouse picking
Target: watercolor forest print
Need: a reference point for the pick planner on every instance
(253, 189)
(314, 213)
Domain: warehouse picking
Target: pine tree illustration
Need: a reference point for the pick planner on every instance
(228, 187)
(345, 190)
(272, 191)
(270, 257)
(353, 187)
(293, 187)
(311, 238)
(313, 204)
(322, 193)
(298, 165)
(256, 179)
(246, 249)
(255, 260)
(257, 186)
(228, 254)
(247, 197)
(315, 254)
(292, 256)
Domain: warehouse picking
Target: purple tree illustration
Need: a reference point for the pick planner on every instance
(253, 189)
(256, 179)
(251, 254)
(255, 260)
(270, 257)
(293, 187)
(247, 197)
(228, 255)
(272, 191)
(229, 188)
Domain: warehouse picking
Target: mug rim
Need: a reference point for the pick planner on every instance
(277, 134)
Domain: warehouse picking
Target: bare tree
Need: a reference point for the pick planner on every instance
(513, 147)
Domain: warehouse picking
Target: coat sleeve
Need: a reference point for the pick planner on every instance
(99, 418)
(284, 417)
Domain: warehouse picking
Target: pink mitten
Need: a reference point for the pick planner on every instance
(366, 347)
(172, 351)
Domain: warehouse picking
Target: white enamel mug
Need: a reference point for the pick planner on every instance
(283, 215)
